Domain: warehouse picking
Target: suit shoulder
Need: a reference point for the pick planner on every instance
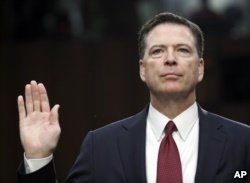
(229, 123)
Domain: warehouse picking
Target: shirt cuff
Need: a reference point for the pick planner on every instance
(32, 165)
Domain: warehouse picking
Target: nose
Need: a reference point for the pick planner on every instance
(170, 58)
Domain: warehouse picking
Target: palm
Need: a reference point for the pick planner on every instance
(39, 126)
(37, 131)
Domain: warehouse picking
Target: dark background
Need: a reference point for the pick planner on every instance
(85, 52)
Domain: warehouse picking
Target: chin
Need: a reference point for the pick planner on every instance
(172, 89)
(168, 92)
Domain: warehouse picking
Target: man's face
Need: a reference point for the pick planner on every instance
(171, 66)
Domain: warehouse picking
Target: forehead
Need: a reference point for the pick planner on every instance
(170, 33)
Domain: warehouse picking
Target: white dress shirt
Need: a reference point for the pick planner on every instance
(186, 139)
(32, 165)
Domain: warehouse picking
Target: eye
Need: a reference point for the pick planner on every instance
(182, 51)
(156, 53)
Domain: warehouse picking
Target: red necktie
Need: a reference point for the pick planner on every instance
(169, 164)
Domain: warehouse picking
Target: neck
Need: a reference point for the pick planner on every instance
(172, 106)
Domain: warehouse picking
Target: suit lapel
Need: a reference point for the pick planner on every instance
(211, 144)
(131, 144)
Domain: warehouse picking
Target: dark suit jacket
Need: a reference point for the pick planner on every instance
(116, 153)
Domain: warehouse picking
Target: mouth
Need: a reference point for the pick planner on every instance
(170, 75)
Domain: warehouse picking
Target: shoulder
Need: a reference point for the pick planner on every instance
(228, 122)
(230, 126)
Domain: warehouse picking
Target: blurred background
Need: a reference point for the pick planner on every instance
(85, 52)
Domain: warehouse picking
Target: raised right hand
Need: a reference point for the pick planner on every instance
(38, 124)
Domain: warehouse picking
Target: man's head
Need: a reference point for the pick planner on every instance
(171, 61)
(169, 18)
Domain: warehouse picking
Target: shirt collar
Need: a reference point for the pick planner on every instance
(184, 122)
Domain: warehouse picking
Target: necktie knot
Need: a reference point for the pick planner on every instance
(170, 128)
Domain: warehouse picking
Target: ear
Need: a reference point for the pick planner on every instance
(142, 69)
(200, 69)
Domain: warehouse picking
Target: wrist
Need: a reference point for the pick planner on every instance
(29, 155)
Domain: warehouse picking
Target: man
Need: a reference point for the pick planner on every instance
(198, 146)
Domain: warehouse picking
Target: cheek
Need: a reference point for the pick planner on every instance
(151, 71)
(195, 72)
(191, 71)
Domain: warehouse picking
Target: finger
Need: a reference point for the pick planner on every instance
(28, 99)
(21, 108)
(35, 96)
(44, 98)
(54, 114)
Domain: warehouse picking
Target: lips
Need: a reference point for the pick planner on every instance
(170, 74)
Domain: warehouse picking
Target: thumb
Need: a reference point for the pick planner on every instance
(54, 114)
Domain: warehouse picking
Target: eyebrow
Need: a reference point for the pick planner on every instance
(157, 45)
(183, 44)
(176, 45)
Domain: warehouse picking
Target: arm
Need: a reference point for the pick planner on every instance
(45, 174)
(32, 165)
